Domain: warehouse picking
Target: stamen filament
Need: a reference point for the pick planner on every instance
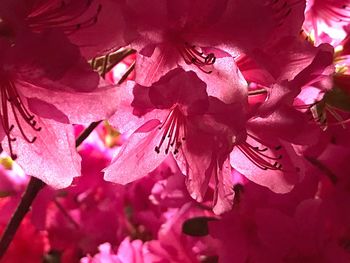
(192, 55)
(10, 95)
(258, 156)
(172, 127)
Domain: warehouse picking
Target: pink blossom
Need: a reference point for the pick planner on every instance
(326, 20)
(178, 116)
(204, 37)
(79, 20)
(40, 96)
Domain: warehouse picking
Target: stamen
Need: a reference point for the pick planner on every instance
(258, 156)
(62, 15)
(192, 55)
(334, 11)
(173, 131)
(9, 95)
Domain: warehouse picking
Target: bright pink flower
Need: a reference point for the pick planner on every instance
(86, 214)
(270, 167)
(41, 92)
(93, 25)
(178, 116)
(172, 244)
(284, 60)
(325, 20)
(203, 37)
(104, 256)
(268, 156)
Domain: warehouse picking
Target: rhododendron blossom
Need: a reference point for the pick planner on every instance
(177, 116)
(34, 108)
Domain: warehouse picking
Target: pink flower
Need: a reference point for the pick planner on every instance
(94, 25)
(268, 156)
(326, 20)
(41, 92)
(204, 37)
(86, 214)
(178, 116)
(284, 61)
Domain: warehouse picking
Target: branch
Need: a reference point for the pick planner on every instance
(33, 188)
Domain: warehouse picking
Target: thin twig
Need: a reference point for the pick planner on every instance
(86, 133)
(324, 169)
(257, 92)
(33, 188)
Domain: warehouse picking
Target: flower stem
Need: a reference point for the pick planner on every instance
(86, 133)
(323, 168)
(257, 92)
(33, 188)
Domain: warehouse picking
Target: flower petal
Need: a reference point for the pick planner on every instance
(137, 156)
(52, 157)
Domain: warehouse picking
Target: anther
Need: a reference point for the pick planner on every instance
(11, 100)
(192, 55)
(258, 156)
(173, 129)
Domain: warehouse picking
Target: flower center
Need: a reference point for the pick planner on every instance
(173, 131)
(259, 157)
(62, 15)
(11, 101)
(192, 55)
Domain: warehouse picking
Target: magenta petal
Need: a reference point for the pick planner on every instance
(249, 24)
(52, 157)
(79, 107)
(225, 80)
(195, 167)
(276, 230)
(46, 110)
(281, 124)
(150, 69)
(224, 189)
(134, 108)
(278, 181)
(65, 65)
(137, 157)
(107, 32)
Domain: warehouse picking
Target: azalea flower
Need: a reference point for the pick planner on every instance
(204, 37)
(79, 20)
(326, 20)
(40, 95)
(178, 117)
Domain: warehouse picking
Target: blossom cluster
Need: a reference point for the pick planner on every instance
(218, 130)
